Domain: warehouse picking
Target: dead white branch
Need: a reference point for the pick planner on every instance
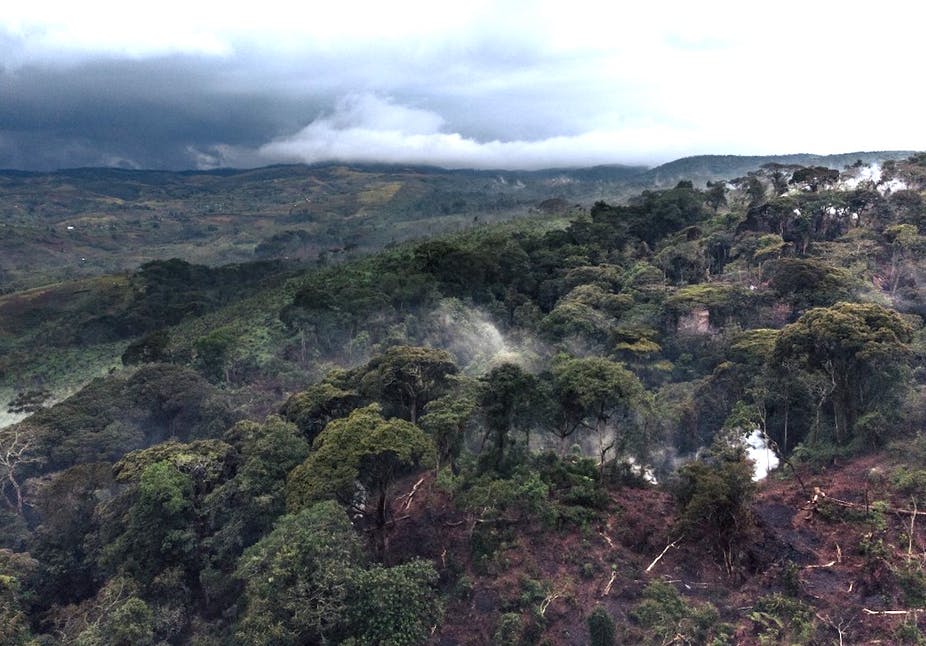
(607, 589)
(912, 611)
(912, 530)
(411, 494)
(811, 567)
(550, 598)
(663, 553)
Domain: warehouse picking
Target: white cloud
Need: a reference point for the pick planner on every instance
(369, 128)
(518, 83)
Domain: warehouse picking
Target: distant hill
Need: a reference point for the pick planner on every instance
(704, 168)
(87, 222)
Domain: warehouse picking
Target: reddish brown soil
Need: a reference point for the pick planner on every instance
(819, 549)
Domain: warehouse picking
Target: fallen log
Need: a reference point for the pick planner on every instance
(912, 611)
(663, 553)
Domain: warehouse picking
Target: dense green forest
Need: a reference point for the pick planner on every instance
(519, 433)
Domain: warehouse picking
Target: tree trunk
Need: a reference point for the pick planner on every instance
(381, 527)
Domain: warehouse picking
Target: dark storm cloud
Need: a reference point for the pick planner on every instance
(507, 84)
(148, 113)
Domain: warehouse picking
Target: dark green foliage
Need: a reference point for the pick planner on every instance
(395, 606)
(297, 578)
(594, 394)
(601, 629)
(861, 350)
(64, 542)
(662, 319)
(151, 348)
(814, 176)
(15, 572)
(714, 498)
(509, 403)
(509, 629)
(406, 378)
(118, 414)
(167, 291)
(806, 282)
(28, 401)
(158, 528)
(312, 409)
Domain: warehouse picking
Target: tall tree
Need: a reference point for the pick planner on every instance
(363, 449)
(509, 401)
(296, 578)
(862, 350)
(408, 377)
(591, 393)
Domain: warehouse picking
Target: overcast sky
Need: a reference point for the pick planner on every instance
(194, 84)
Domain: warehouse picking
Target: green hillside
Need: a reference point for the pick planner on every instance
(466, 407)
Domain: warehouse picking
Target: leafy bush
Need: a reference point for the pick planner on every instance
(783, 620)
(714, 497)
(601, 628)
(394, 606)
(667, 618)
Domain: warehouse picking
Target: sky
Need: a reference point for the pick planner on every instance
(509, 85)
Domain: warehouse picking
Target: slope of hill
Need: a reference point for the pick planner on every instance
(709, 168)
(87, 222)
(526, 432)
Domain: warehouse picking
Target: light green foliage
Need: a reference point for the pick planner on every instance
(446, 419)
(587, 311)
(394, 606)
(158, 527)
(242, 508)
(667, 618)
(213, 352)
(116, 616)
(768, 247)
(269, 452)
(306, 582)
(523, 494)
(298, 578)
(363, 448)
(207, 461)
(754, 346)
(910, 481)
(784, 620)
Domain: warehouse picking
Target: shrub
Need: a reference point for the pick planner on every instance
(601, 628)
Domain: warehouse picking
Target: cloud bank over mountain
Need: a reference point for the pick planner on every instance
(482, 84)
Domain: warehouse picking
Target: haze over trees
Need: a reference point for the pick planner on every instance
(492, 431)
